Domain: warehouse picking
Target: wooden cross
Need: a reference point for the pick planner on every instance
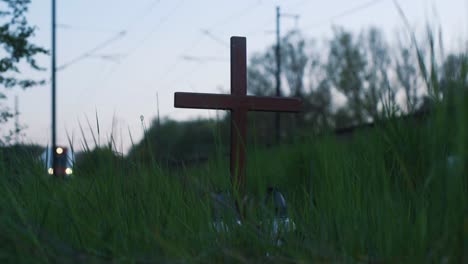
(239, 103)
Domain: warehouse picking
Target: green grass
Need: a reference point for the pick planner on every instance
(387, 194)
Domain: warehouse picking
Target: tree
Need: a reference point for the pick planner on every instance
(359, 67)
(407, 77)
(16, 49)
(346, 71)
(295, 61)
(304, 78)
(454, 79)
(454, 73)
(261, 73)
(379, 94)
(174, 143)
(318, 106)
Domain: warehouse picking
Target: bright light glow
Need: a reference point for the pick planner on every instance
(50, 171)
(59, 150)
(68, 171)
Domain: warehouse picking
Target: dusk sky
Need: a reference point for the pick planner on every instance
(120, 81)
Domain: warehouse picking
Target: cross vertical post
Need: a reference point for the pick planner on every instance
(239, 115)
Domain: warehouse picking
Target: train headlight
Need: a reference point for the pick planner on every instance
(50, 171)
(59, 150)
(68, 171)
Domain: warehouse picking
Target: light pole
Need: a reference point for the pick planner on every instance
(54, 52)
(278, 74)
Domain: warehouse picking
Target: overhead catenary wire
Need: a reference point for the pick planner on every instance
(301, 3)
(344, 13)
(142, 41)
(90, 52)
(212, 36)
(209, 33)
(261, 31)
(85, 29)
(193, 44)
(154, 29)
(235, 16)
(106, 43)
(147, 11)
(146, 38)
(120, 34)
(121, 57)
(202, 59)
(113, 57)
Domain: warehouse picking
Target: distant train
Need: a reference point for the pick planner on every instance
(65, 161)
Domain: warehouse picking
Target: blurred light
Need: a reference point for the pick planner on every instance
(59, 150)
(50, 171)
(68, 171)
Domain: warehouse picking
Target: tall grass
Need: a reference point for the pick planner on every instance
(396, 193)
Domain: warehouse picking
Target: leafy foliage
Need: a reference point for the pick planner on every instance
(15, 35)
(177, 143)
(16, 49)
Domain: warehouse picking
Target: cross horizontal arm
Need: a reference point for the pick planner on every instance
(273, 104)
(203, 100)
(232, 102)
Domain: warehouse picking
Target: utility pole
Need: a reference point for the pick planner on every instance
(278, 75)
(159, 120)
(17, 125)
(278, 66)
(54, 52)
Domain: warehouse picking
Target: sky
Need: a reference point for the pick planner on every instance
(144, 49)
